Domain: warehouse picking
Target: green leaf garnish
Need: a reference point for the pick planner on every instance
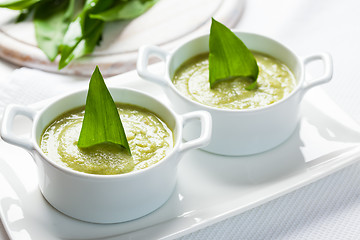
(101, 122)
(229, 58)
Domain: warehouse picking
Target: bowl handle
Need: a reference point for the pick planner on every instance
(328, 70)
(143, 60)
(7, 133)
(206, 129)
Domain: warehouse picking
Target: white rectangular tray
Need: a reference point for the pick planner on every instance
(210, 187)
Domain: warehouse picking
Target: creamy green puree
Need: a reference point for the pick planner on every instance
(149, 139)
(275, 81)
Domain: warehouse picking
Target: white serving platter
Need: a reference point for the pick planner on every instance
(210, 187)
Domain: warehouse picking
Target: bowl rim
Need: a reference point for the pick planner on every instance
(199, 105)
(89, 176)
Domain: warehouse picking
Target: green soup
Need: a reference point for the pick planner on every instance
(148, 136)
(275, 81)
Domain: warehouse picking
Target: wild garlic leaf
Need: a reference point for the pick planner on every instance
(51, 20)
(125, 10)
(18, 4)
(83, 33)
(25, 13)
(102, 123)
(229, 58)
(77, 45)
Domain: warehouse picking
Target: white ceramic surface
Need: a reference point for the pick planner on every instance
(210, 188)
(105, 198)
(239, 132)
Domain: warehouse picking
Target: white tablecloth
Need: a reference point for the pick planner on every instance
(328, 208)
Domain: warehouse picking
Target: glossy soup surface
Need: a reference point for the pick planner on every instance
(149, 138)
(275, 81)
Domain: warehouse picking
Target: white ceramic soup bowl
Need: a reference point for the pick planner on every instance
(239, 132)
(105, 198)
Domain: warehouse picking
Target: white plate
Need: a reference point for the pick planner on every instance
(210, 188)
